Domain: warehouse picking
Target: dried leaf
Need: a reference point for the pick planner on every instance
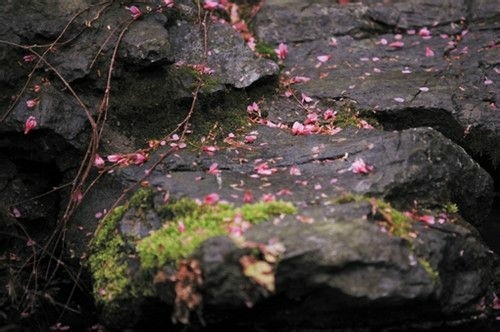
(259, 271)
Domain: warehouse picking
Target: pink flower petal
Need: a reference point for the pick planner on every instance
(424, 32)
(323, 58)
(294, 170)
(397, 44)
(98, 161)
(399, 100)
(211, 199)
(213, 169)
(29, 124)
(360, 167)
(429, 52)
(281, 51)
(135, 12)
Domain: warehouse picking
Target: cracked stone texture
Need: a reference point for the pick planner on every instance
(458, 99)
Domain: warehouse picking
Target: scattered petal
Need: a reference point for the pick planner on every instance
(98, 161)
(360, 167)
(424, 89)
(329, 114)
(248, 197)
(264, 169)
(29, 58)
(31, 103)
(294, 170)
(306, 98)
(428, 219)
(397, 44)
(429, 52)
(29, 124)
(300, 79)
(399, 100)
(424, 32)
(213, 169)
(268, 198)
(211, 5)
(250, 139)
(282, 51)
(169, 3)
(15, 212)
(487, 81)
(211, 199)
(365, 125)
(181, 227)
(135, 12)
(323, 58)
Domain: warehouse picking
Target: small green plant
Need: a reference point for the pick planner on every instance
(451, 208)
(429, 269)
(266, 50)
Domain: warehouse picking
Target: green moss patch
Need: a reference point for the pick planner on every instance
(108, 254)
(200, 222)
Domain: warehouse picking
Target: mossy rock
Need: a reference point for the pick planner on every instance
(123, 266)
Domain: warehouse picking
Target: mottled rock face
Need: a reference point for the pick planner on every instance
(344, 197)
(442, 80)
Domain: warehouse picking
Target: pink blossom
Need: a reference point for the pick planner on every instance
(284, 192)
(398, 36)
(213, 169)
(428, 219)
(29, 124)
(77, 196)
(37, 88)
(139, 158)
(264, 169)
(268, 198)
(311, 118)
(397, 44)
(29, 58)
(399, 100)
(424, 32)
(210, 149)
(181, 227)
(429, 52)
(294, 170)
(487, 81)
(288, 93)
(248, 197)
(306, 98)
(15, 212)
(300, 129)
(250, 139)
(211, 5)
(365, 125)
(169, 3)
(211, 199)
(281, 51)
(300, 79)
(98, 161)
(253, 108)
(115, 158)
(329, 114)
(31, 103)
(360, 167)
(424, 89)
(323, 58)
(382, 41)
(135, 12)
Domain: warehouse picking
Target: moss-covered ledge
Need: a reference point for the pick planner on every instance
(122, 266)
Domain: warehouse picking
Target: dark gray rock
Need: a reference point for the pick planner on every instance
(402, 85)
(232, 61)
